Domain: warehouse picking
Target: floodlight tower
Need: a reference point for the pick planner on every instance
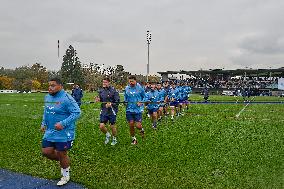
(74, 63)
(149, 36)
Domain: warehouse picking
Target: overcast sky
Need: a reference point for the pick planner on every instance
(186, 34)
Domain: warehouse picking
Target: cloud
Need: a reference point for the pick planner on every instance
(85, 38)
(263, 44)
(186, 34)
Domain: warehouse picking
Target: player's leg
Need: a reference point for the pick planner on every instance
(160, 112)
(103, 120)
(183, 104)
(154, 118)
(131, 122)
(113, 129)
(138, 121)
(166, 111)
(151, 112)
(187, 104)
(172, 111)
(48, 150)
(177, 108)
(64, 160)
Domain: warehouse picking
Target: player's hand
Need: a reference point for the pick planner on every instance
(139, 103)
(97, 99)
(58, 126)
(108, 105)
(42, 129)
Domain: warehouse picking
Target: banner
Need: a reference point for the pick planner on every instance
(281, 83)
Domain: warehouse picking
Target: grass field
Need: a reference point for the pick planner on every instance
(207, 148)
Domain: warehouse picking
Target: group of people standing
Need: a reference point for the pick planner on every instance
(62, 110)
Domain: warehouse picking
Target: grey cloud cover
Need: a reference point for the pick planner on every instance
(84, 38)
(186, 34)
(263, 44)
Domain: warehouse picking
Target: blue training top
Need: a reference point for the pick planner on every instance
(133, 95)
(60, 108)
(152, 97)
(162, 94)
(174, 93)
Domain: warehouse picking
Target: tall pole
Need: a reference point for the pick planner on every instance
(148, 45)
(270, 74)
(148, 62)
(74, 64)
(58, 52)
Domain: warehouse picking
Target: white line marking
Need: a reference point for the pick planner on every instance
(238, 115)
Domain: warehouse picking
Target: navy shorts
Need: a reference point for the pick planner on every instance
(151, 111)
(59, 146)
(174, 103)
(108, 118)
(132, 116)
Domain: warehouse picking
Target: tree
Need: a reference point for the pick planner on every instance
(53, 74)
(24, 73)
(36, 84)
(39, 73)
(6, 82)
(120, 77)
(27, 85)
(23, 76)
(71, 71)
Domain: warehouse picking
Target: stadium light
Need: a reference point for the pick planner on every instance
(74, 64)
(149, 37)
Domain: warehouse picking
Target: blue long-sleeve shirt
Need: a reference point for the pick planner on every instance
(152, 97)
(60, 108)
(174, 93)
(188, 91)
(185, 90)
(162, 94)
(133, 95)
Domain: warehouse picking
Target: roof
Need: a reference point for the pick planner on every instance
(249, 72)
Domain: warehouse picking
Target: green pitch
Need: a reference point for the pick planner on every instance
(208, 147)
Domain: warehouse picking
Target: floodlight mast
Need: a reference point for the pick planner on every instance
(149, 37)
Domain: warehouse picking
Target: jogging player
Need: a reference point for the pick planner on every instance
(174, 97)
(58, 124)
(134, 95)
(152, 99)
(188, 90)
(109, 108)
(162, 99)
(167, 89)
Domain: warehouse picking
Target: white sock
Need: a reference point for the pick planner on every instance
(113, 138)
(108, 134)
(65, 172)
(133, 138)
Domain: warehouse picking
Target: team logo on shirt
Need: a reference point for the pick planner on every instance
(57, 103)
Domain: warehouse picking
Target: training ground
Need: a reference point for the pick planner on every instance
(214, 145)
